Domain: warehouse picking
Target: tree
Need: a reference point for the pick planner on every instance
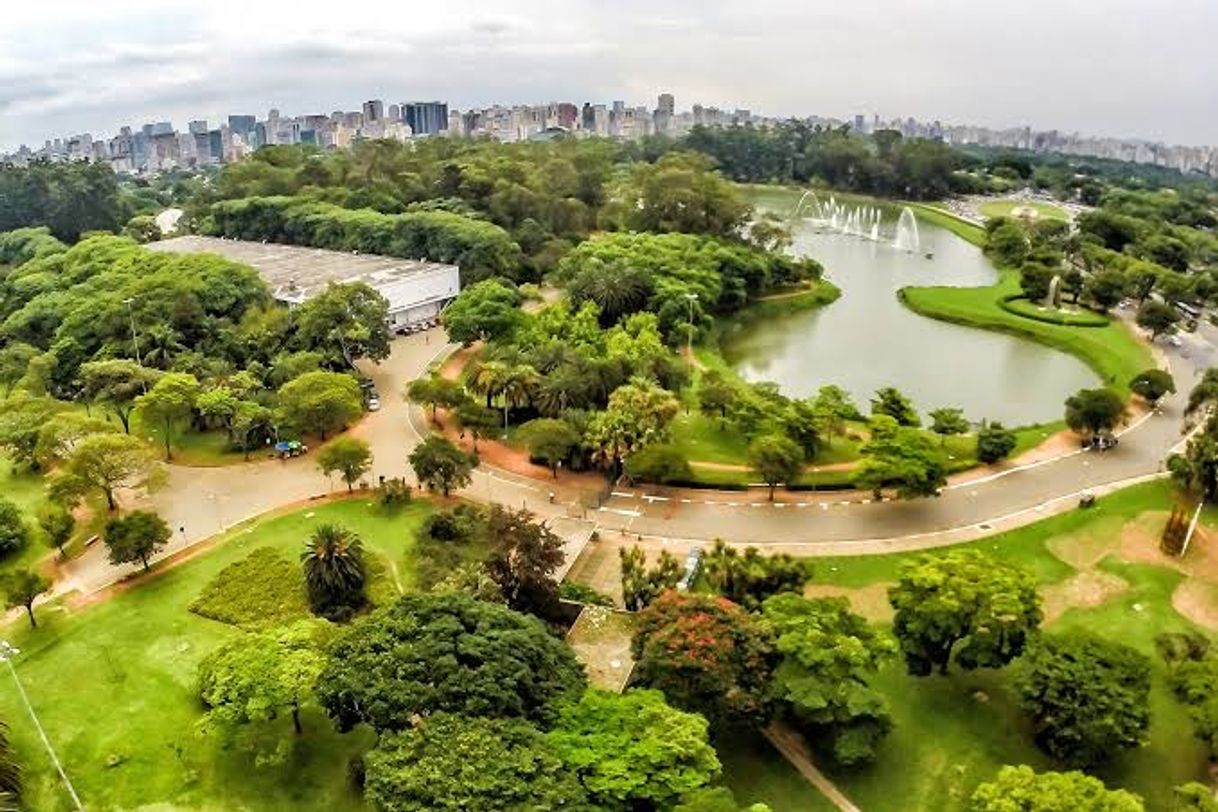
(715, 799)
(715, 395)
(135, 537)
(257, 676)
(947, 421)
(776, 459)
(349, 456)
(549, 440)
(435, 392)
(10, 774)
(447, 763)
(889, 401)
(833, 408)
(1193, 797)
(344, 322)
(828, 654)
(1197, 468)
(1091, 411)
(1019, 789)
(750, 578)
(57, 525)
(334, 571)
(21, 588)
(994, 442)
(441, 466)
(1088, 697)
(901, 457)
(707, 655)
(106, 462)
(251, 422)
(638, 413)
(14, 533)
(116, 383)
(479, 421)
(15, 361)
(320, 403)
(61, 433)
(633, 750)
(486, 311)
(1152, 385)
(446, 652)
(659, 462)
(523, 559)
(167, 404)
(1157, 317)
(962, 606)
(1105, 288)
(640, 585)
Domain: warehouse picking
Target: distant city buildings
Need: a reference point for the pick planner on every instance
(158, 147)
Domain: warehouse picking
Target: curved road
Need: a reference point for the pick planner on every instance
(200, 502)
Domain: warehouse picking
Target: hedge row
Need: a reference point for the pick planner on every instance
(480, 248)
(1078, 319)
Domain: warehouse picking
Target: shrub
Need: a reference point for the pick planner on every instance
(261, 591)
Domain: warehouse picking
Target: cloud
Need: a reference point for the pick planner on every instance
(1103, 66)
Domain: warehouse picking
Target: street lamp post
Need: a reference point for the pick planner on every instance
(135, 340)
(7, 653)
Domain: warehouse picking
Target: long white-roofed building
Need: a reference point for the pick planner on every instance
(416, 290)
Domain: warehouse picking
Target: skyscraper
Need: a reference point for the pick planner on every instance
(665, 107)
(374, 111)
(426, 118)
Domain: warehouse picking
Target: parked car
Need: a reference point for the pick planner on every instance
(374, 404)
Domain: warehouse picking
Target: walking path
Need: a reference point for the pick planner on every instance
(795, 750)
(200, 502)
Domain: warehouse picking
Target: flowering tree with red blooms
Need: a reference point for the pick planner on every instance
(707, 655)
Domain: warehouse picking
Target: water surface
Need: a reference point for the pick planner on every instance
(867, 339)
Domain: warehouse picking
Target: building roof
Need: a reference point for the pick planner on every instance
(295, 273)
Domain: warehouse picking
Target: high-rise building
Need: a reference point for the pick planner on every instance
(374, 111)
(395, 112)
(426, 118)
(197, 126)
(242, 125)
(665, 108)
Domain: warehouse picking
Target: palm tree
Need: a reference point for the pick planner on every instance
(518, 387)
(161, 344)
(487, 378)
(333, 561)
(10, 774)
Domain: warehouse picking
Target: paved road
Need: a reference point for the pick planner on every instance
(199, 502)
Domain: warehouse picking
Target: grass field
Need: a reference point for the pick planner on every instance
(114, 684)
(1006, 208)
(953, 732)
(1112, 351)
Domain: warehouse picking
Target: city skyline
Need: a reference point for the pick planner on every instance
(1099, 70)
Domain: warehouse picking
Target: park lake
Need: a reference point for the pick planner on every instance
(867, 339)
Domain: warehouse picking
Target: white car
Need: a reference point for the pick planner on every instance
(374, 404)
(1175, 341)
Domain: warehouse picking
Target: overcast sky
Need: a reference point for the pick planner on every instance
(1146, 68)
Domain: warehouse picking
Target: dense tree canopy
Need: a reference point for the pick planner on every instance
(455, 763)
(68, 197)
(707, 655)
(963, 606)
(828, 654)
(447, 652)
(633, 749)
(1020, 789)
(1089, 698)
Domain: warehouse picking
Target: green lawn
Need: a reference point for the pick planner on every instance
(1005, 208)
(953, 732)
(1111, 351)
(114, 684)
(757, 773)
